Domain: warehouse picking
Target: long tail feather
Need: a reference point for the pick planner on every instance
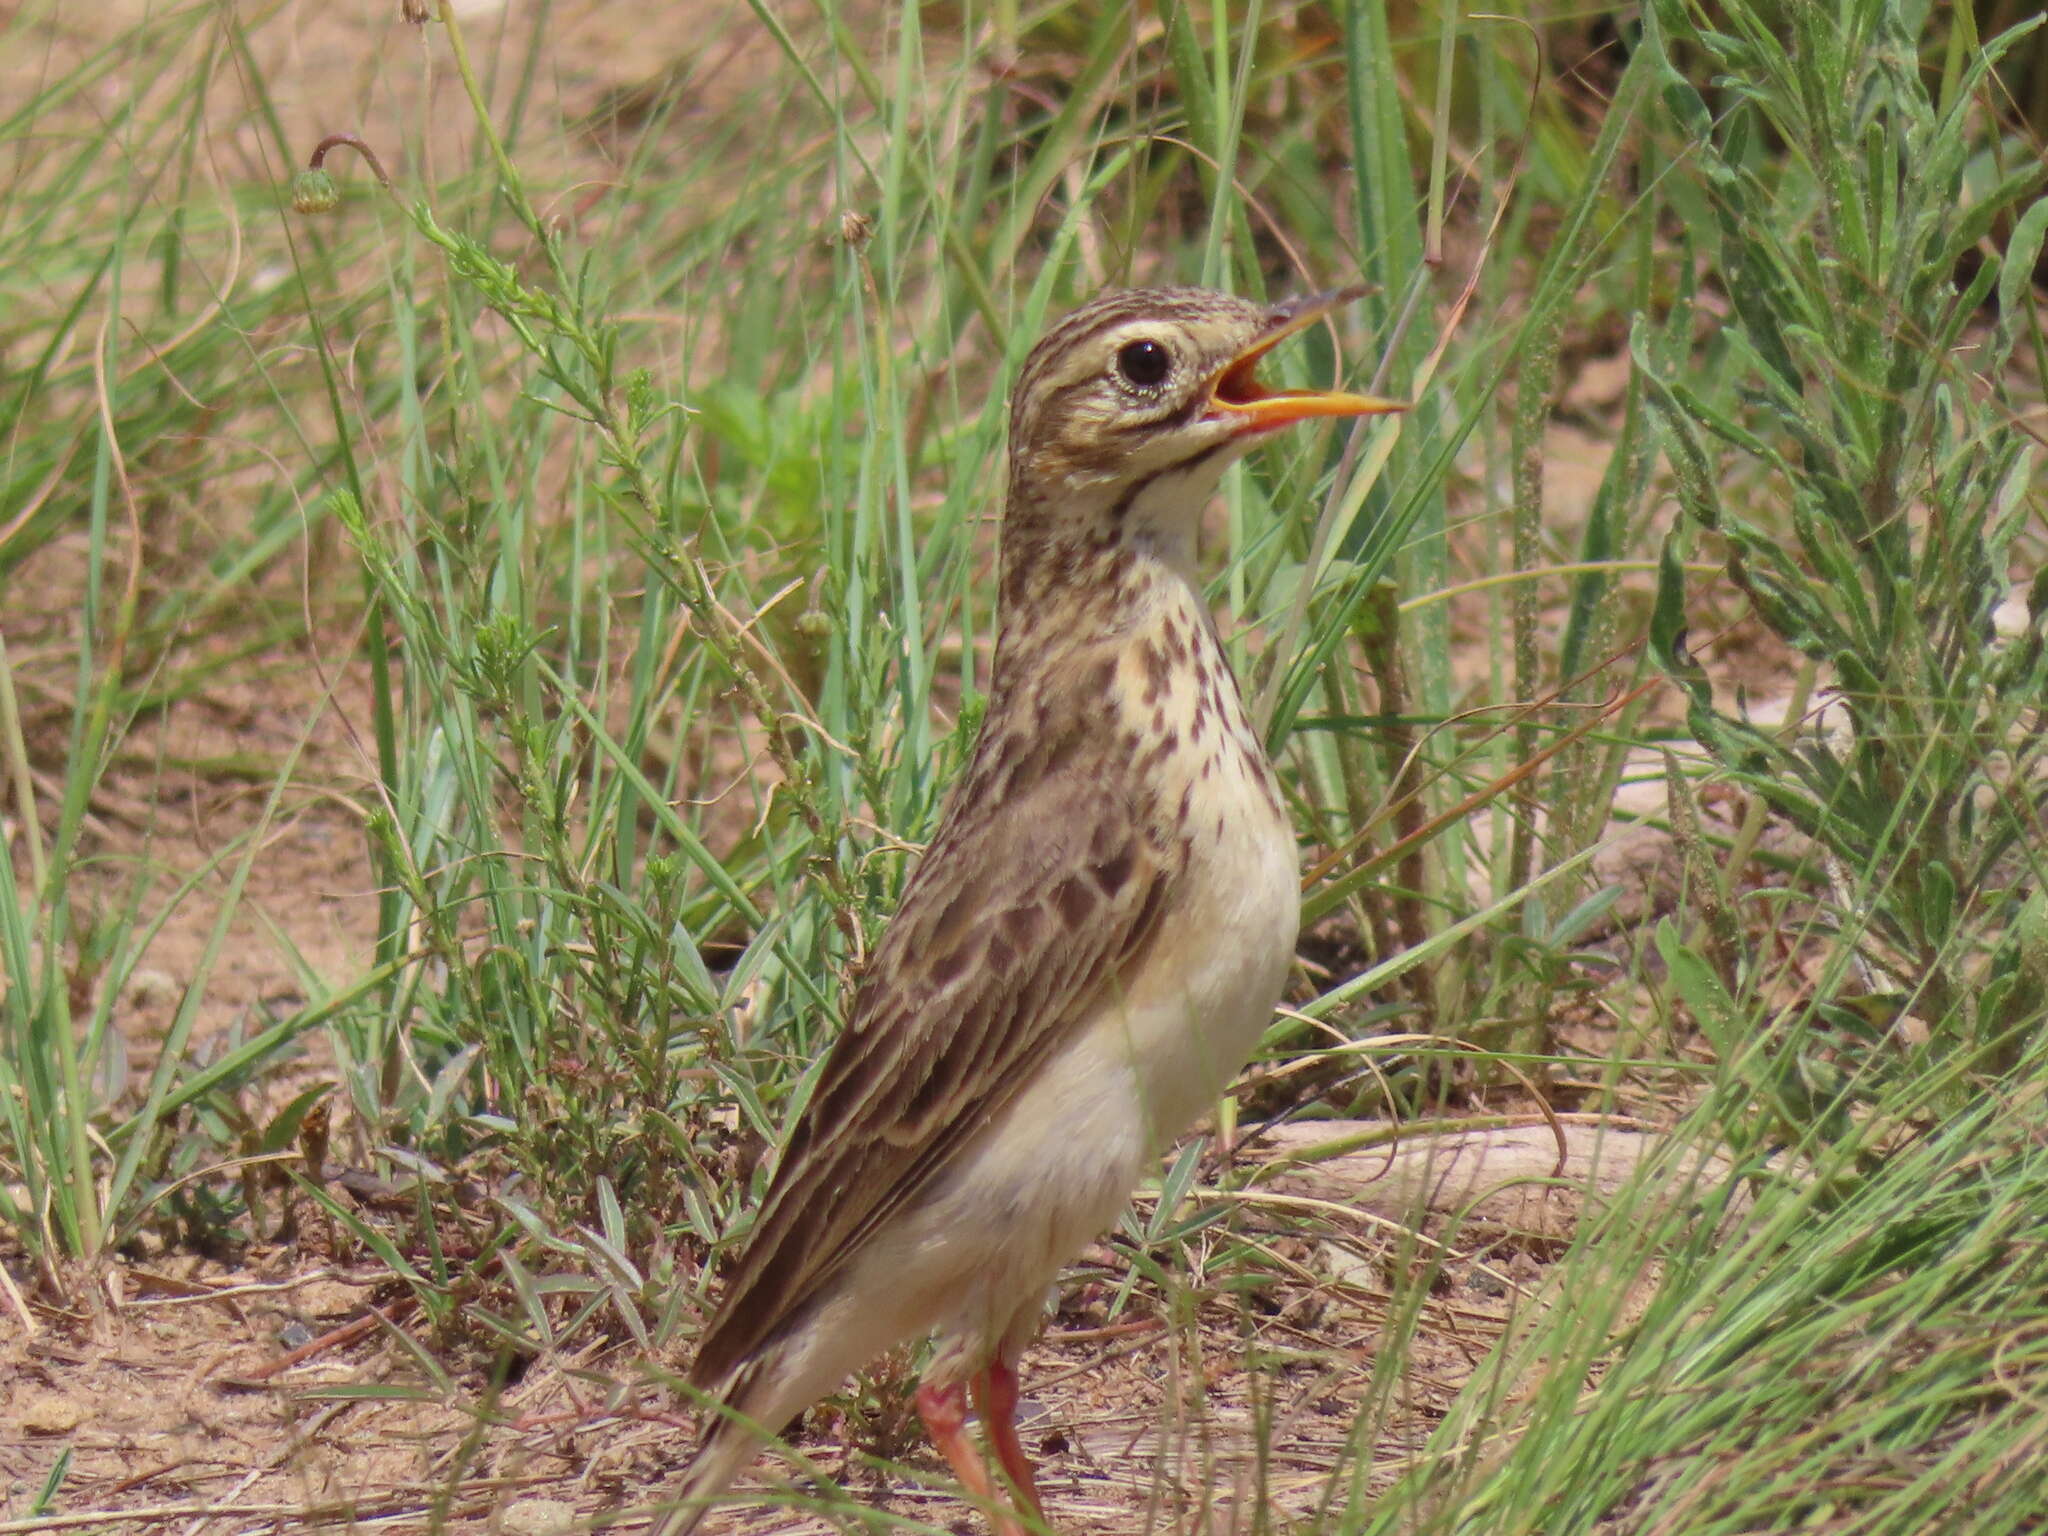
(728, 1438)
(728, 1444)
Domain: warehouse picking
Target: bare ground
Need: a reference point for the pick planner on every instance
(282, 1392)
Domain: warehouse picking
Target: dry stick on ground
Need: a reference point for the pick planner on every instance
(347, 1333)
(339, 1512)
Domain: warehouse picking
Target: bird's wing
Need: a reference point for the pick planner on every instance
(1045, 884)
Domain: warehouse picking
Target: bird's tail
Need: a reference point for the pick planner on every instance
(727, 1446)
(727, 1440)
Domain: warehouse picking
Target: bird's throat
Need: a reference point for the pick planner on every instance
(1062, 598)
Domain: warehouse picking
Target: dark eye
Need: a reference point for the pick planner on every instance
(1144, 363)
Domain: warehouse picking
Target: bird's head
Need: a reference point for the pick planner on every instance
(1128, 412)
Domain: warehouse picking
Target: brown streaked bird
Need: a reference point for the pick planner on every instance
(1091, 945)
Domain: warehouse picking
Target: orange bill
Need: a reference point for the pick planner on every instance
(1237, 394)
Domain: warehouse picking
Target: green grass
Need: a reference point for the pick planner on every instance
(632, 502)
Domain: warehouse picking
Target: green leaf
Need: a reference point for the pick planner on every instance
(2016, 281)
(1668, 626)
(1693, 979)
(1937, 902)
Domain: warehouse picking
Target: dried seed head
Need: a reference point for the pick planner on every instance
(855, 228)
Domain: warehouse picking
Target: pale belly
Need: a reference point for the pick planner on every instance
(1198, 1010)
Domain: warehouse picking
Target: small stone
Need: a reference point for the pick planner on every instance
(538, 1517)
(51, 1413)
(150, 988)
(1347, 1267)
(2010, 619)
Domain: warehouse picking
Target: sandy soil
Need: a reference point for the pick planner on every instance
(288, 1391)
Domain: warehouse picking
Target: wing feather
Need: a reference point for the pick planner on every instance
(1044, 884)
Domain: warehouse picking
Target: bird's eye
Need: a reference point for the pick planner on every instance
(1144, 364)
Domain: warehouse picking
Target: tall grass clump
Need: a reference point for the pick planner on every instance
(1852, 452)
(128, 398)
(578, 654)
(1848, 1336)
(1818, 1306)
(684, 651)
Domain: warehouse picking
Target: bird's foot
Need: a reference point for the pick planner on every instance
(944, 1411)
(995, 1399)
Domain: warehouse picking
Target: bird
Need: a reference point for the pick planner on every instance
(1090, 945)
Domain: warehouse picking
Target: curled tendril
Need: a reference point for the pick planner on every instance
(352, 141)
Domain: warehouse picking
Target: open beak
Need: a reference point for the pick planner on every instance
(1236, 394)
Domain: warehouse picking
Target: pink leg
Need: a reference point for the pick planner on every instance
(944, 1411)
(995, 1399)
